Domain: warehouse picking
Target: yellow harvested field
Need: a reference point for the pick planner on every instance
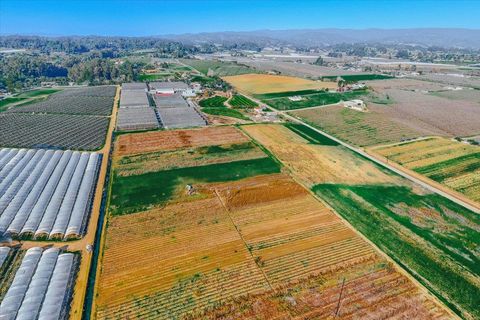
(314, 164)
(452, 163)
(264, 83)
(165, 263)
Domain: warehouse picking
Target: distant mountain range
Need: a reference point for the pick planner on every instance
(443, 37)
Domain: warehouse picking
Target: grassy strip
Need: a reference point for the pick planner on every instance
(136, 193)
(213, 102)
(367, 209)
(7, 101)
(239, 101)
(310, 135)
(350, 78)
(152, 77)
(219, 68)
(274, 95)
(313, 100)
(441, 171)
(226, 112)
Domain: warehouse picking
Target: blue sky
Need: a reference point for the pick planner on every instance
(143, 18)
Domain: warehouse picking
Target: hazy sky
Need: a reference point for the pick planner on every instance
(142, 18)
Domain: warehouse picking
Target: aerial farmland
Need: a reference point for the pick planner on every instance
(54, 152)
(235, 177)
(274, 243)
(392, 205)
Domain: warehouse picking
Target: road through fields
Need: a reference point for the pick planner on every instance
(427, 184)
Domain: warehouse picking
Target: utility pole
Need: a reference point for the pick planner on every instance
(339, 299)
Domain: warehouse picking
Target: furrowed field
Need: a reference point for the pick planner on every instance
(452, 163)
(216, 106)
(432, 238)
(242, 102)
(313, 99)
(218, 68)
(248, 241)
(358, 128)
(398, 110)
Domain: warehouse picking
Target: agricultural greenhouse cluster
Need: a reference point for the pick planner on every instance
(135, 112)
(39, 285)
(175, 112)
(157, 104)
(46, 193)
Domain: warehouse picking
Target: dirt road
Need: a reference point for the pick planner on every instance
(424, 182)
(89, 238)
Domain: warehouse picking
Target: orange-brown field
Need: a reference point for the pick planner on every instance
(313, 163)
(260, 247)
(170, 140)
(264, 83)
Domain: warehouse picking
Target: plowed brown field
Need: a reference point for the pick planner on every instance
(260, 247)
(129, 144)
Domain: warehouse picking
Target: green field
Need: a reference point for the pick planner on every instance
(214, 106)
(313, 100)
(311, 135)
(226, 112)
(351, 78)
(153, 77)
(136, 193)
(218, 68)
(434, 239)
(28, 97)
(213, 102)
(241, 102)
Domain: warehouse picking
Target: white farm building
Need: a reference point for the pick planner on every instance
(355, 104)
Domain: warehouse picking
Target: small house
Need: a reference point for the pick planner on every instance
(355, 104)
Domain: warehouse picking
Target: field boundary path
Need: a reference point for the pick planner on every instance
(427, 184)
(77, 305)
(398, 267)
(243, 239)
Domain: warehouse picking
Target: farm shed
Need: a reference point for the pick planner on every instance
(174, 118)
(40, 287)
(134, 98)
(170, 101)
(46, 193)
(134, 86)
(167, 87)
(140, 118)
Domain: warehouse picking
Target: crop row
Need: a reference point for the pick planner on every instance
(239, 101)
(57, 104)
(52, 130)
(201, 290)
